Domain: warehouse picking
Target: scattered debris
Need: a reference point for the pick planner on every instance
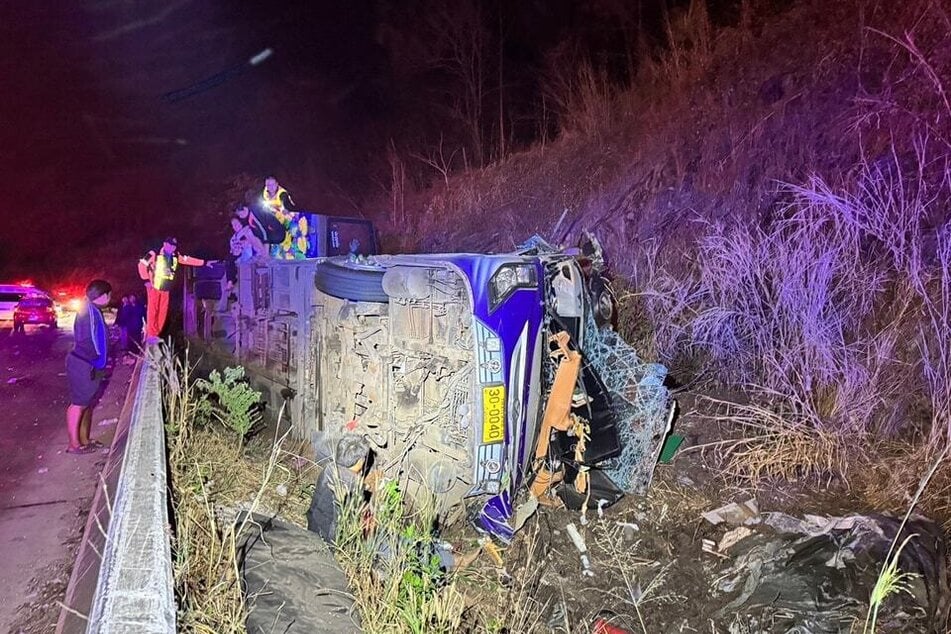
(492, 550)
(108, 421)
(526, 510)
(733, 513)
(42, 470)
(14, 380)
(710, 546)
(816, 573)
(628, 530)
(579, 543)
(733, 537)
(669, 448)
(812, 525)
(603, 626)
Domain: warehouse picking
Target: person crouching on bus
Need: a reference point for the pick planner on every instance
(158, 271)
(86, 367)
(276, 200)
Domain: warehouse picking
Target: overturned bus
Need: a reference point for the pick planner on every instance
(473, 377)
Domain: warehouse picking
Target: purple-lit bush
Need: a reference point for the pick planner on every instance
(836, 311)
(774, 200)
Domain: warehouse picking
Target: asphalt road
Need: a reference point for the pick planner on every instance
(45, 493)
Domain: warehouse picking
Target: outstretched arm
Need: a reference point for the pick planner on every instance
(188, 260)
(257, 247)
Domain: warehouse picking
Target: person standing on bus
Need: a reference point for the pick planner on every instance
(158, 270)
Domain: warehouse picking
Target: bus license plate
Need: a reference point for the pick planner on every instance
(493, 414)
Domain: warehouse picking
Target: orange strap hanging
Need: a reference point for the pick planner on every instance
(558, 409)
(557, 416)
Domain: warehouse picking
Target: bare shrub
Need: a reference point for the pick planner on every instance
(690, 40)
(777, 444)
(663, 305)
(934, 338)
(813, 311)
(889, 480)
(584, 101)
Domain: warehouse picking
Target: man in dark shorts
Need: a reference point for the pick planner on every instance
(86, 366)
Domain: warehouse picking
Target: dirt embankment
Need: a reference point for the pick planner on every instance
(821, 130)
(773, 197)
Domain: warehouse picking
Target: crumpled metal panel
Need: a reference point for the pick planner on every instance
(641, 402)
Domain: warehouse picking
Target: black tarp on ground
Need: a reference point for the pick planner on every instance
(292, 582)
(814, 575)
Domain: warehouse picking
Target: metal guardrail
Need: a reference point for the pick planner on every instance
(122, 577)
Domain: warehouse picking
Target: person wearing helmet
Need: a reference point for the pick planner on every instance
(158, 270)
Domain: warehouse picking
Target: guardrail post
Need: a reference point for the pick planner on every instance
(134, 591)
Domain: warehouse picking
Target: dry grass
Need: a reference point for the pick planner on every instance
(211, 476)
(396, 582)
(889, 481)
(758, 258)
(773, 445)
(510, 601)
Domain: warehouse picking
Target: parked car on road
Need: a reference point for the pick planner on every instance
(10, 296)
(34, 310)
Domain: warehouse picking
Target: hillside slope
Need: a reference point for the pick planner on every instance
(708, 131)
(773, 196)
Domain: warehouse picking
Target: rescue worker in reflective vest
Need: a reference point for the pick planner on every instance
(158, 271)
(278, 201)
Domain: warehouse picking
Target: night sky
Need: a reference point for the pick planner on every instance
(123, 121)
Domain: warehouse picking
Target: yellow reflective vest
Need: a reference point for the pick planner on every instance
(163, 273)
(274, 202)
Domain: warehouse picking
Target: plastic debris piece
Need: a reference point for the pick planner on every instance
(629, 530)
(579, 543)
(670, 447)
(524, 511)
(108, 421)
(733, 537)
(494, 552)
(602, 626)
(821, 580)
(733, 513)
(42, 470)
(710, 546)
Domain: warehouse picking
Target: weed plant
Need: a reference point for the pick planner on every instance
(388, 553)
(235, 403)
(210, 477)
(891, 580)
(387, 548)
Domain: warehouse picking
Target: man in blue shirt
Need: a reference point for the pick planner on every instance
(86, 367)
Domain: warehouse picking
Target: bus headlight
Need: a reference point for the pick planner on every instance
(508, 279)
